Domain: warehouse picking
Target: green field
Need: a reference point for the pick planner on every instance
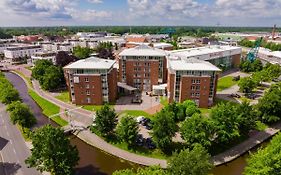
(135, 113)
(48, 108)
(225, 82)
(63, 96)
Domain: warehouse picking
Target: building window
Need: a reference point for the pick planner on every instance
(87, 92)
(192, 94)
(88, 100)
(87, 86)
(193, 81)
(197, 88)
(197, 81)
(86, 79)
(197, 94)
(193, 88)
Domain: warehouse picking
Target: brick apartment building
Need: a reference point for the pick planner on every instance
(92, 81)
(191, 78)
(142, 67)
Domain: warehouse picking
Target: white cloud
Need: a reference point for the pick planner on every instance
(96, 1)
(88, 15)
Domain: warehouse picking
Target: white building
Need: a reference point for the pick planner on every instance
(67, 47)
(51, 56)
(273, 57)
(21, 51)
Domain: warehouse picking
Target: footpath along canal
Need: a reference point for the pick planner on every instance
(94, 161)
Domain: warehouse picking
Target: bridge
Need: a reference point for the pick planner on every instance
(73, 127)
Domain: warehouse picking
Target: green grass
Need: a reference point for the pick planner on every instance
(164, 101)
(29, 68)
(25, 132)
(135, 113)
(63, 96)
(47, 107)
(225, 82)
(94, 107)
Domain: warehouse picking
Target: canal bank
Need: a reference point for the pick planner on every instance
(92, 160)
(234, 155)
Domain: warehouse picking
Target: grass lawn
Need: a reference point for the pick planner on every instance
(164, 101)
(135, 113)
(94, 107)
(63, 96)
(225, 82)
(47, 107)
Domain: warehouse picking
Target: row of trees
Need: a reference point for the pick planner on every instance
(187, 162)
(49, 76)
(8, 93)
(269, 45)
(264, 74)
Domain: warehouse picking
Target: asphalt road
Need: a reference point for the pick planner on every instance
(13, 150)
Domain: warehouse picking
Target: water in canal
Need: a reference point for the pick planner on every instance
(94, 161)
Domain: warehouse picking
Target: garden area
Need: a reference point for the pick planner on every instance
(225, 82)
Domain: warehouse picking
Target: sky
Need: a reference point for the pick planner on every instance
(140, 12)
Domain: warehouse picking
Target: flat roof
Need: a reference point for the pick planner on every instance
(207, 50)
(192, 64)
(143, 50)
(91, 63)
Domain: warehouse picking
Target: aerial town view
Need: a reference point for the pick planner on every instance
(140, 87)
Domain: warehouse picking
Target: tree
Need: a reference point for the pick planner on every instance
(63, 58)
(191, 162)
(21, 114)
(226, 123)
(52, 152)
(247, 117)
(164, 128)
(197, 129)
(191, 108)
(246, 66)
(269, 105)
(40, 67)
(247, 84)
(104, 50)
(257, 65)
(106, 120)
(82, 52)
(53, 78)
(152, 170)
(127, 130)
(9, 94)
(266, 161)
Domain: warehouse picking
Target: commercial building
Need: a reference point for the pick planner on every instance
(92, 81)
(142, 67)
(273, 57)
(191, 78)
(21, 51)
(45, 55)
(224, 57)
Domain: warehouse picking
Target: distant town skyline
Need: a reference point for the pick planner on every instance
(243, 13)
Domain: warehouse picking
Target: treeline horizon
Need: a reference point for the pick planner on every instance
(175, 30)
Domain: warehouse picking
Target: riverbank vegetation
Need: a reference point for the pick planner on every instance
(8, 93)
(48, 108)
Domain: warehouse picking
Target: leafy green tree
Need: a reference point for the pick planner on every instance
(246, 66)
(191, 108)
(127, 130)
(164, 128)
(152, 170)
(246, 84)
(52, 152)
(104, 50)
(197, 129)
(269, 105)
(39, 69)
(191, 162)
(53, 78)
(63, 58)
(82, 52)
(106, 120)
(9, 94)
(247, 117)
(257, 65)
(226, 123)
(21, 114)
(266, 161)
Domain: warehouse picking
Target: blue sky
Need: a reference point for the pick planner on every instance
(140, 12)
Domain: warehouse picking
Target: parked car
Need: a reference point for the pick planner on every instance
(149, 143)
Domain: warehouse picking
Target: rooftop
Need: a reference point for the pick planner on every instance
(143, 50)
(191, 64)
(91, 63)
(192, 52)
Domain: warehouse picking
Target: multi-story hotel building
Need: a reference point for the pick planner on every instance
(191, 78)
(21, 51)
(92, 81)
(225, 57)
(142, 67)
(45, 55)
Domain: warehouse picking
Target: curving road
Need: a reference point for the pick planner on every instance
(13, 149)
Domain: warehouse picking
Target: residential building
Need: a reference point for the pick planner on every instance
(224, 57)
(142, 67)
(193, 79)
(44, 55)
(21, 51)
(67, 47)
(266, 55)
(91, 81)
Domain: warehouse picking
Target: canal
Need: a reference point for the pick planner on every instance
(96, 162)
